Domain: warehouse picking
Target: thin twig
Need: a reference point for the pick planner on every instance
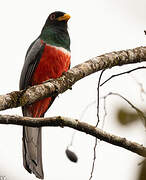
(81, 118)
(98, 119)
(126, 72)
(142, 91)
(86, 108)
(98, 94)
(139, 112)
(105, 113)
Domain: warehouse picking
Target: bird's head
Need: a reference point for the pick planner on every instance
(57, 19)
(55, 31)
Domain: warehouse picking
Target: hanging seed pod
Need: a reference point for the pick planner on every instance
(71, 155)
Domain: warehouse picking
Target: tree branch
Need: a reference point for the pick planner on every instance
(75, 124)
(60, 85)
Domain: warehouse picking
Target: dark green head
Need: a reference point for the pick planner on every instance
(55, 31)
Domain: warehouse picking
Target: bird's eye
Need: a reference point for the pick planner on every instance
(52, 17)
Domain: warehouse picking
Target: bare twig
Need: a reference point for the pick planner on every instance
(142, 91)
(98, 94)
(75, 124)
(98, 119)
(81, 117)
(126, 72)
(139, 112)
(86, 108)
(94, 159)
(105, 112)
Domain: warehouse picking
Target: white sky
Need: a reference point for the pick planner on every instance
(96, 27)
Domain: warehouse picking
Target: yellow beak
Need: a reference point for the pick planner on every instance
(65, 17)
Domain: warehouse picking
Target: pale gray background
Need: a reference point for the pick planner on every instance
(96, 27)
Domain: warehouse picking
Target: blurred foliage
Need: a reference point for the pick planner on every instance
(125, 118)
(142, 174)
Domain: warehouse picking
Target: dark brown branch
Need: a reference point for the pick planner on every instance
(60, 85)
(75, 124)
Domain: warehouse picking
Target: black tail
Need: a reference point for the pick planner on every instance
(32, 151)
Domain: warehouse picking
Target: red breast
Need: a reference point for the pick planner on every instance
(53, 63)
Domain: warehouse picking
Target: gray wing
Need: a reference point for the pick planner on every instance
(32, 147)
(32, 58)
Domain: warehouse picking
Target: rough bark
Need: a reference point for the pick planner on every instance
(68, 79)
(75, 124)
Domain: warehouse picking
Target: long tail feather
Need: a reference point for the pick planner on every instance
(32, 151)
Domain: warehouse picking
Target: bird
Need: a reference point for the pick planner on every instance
(48, 57)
